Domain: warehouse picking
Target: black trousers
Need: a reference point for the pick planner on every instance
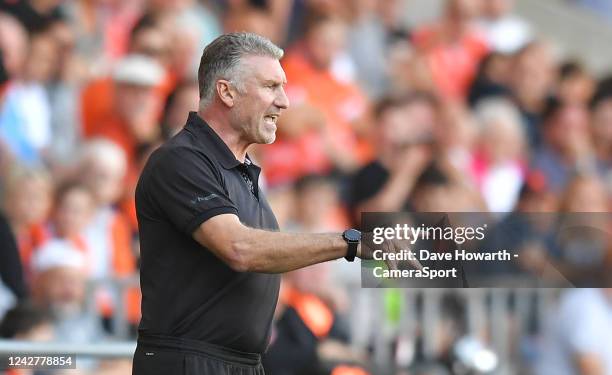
(163, 355)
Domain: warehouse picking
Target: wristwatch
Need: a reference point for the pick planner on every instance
(352, 238)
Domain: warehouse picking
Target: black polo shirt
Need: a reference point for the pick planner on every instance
(187, 291)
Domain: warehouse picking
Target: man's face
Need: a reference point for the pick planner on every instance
(257, 108)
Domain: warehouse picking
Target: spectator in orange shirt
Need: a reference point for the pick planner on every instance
(135, 106)
(453, 48)
(321, 131)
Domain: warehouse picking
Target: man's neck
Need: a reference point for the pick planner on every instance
(225, 131)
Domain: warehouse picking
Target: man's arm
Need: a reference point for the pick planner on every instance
(246, 249)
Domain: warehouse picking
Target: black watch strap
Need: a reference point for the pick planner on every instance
(352, 238)
(352, 251)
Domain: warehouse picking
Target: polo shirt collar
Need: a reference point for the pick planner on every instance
(209, 139)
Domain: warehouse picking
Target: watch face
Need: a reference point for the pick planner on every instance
(352, 235)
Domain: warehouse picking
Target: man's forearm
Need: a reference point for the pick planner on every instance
(275, 252)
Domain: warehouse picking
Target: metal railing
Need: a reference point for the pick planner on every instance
(498, 316)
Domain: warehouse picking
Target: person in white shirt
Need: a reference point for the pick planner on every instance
(578, 339)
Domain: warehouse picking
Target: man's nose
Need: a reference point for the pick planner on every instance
(282, 101)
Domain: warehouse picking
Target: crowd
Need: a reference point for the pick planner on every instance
(473, 111)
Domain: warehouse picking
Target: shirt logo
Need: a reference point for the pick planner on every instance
(199, 199)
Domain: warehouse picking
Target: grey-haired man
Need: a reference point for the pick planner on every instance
(210, 247)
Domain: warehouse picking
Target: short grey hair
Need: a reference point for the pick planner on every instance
(222, 56)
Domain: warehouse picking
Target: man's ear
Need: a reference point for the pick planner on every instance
(226, 92)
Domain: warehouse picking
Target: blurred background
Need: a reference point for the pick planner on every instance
(496, 106)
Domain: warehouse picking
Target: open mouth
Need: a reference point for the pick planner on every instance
(271, 119)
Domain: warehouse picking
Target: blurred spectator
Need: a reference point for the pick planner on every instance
(103, 168)
(453, 48)
(86, 19)
(506, 32)
(27, 202)
(402, 137)
(577, 335)
(438, 190)
(374, 27)
(576, 85)
(25, 118)
(566, 145)
(324, 128)
(585, 193)
(535, 195)
(59, 285)
(500, 163)
(491, 78)
(583, 251)
(13, 44)
(532, 77)
(317, 206)
(191, 25)
(251, 19)
(308, 335)
(456, 134)
(63, 91)
(73, 212)
(149, 38)
(180, 102)
(131, 120)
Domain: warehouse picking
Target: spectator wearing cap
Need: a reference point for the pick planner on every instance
(125, 111)
(60, 287)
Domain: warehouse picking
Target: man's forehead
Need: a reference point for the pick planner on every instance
(265, 68)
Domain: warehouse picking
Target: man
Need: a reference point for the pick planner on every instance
(210, 253)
